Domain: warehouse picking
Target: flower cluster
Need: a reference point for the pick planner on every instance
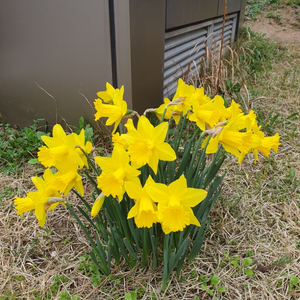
(237, 132)
(169, 203)
(64, 152)
(145, 145)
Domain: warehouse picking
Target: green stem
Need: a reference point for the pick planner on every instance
(92, 181)
(178, 138)
(90, 162)
(166, 273)
(92, 243)
(163, 115)
(120, 128)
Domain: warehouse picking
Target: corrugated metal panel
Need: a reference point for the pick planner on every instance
(187, 46)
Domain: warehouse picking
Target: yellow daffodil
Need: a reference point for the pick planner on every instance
(259, 141)
(264, 144)
(107, 96)
(63, 147)
(115, 171)
(199, 96)
(174, 203)
(208, 113)
(160, 110)
(233, 110)
(146, 144)
(182, 100)
(58, 146)
(67, 177)
(85, 146)
(144, 211)
(267, 144)
(114, 111)
(119, 139)
(47, 197)
(232, 139)
(97, 205)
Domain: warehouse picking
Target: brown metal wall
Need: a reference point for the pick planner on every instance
(63, 46)
(181, 13)
(147, 34)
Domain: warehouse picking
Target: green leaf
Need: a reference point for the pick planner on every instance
(133, 295)
(39, 134)
(247, 262)
(204, 286)
(295, 280)
(221, 289)
(88, 133)
(81, 122)
(248, 272)
(33, 161)
(234, 263)
(128, 296)
(131, 251)
(210, 292)
(214, 280)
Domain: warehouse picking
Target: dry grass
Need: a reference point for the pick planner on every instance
(257, 216)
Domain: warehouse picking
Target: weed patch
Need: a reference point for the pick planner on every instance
(19, 146)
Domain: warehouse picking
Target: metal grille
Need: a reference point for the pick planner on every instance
(186, 46)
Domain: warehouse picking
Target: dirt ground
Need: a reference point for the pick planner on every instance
(280, 25)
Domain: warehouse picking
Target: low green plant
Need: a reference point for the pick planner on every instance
(294, 283)
(211, 285)
(274, 16)
(18, 146)
(131, 296)
(259, 53)
(293, 2)
(88, 130)
(241, 264)
(88, 267)
(255, 7)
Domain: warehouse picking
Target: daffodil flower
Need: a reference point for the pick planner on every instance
(116, 170)
(159, 112)
(45, 198)
(67, 177)
(146, 144)
(82, 145)
(114, 111)
(62, 146)
(174, 203)
(182, 100)
(260, 141)
(144, 211)
(108, 95)
(97, 205)
(235, 142)
(206, 114)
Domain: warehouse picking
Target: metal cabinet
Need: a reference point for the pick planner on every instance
(56, 54)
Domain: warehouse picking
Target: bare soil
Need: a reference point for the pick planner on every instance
(281, 25)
